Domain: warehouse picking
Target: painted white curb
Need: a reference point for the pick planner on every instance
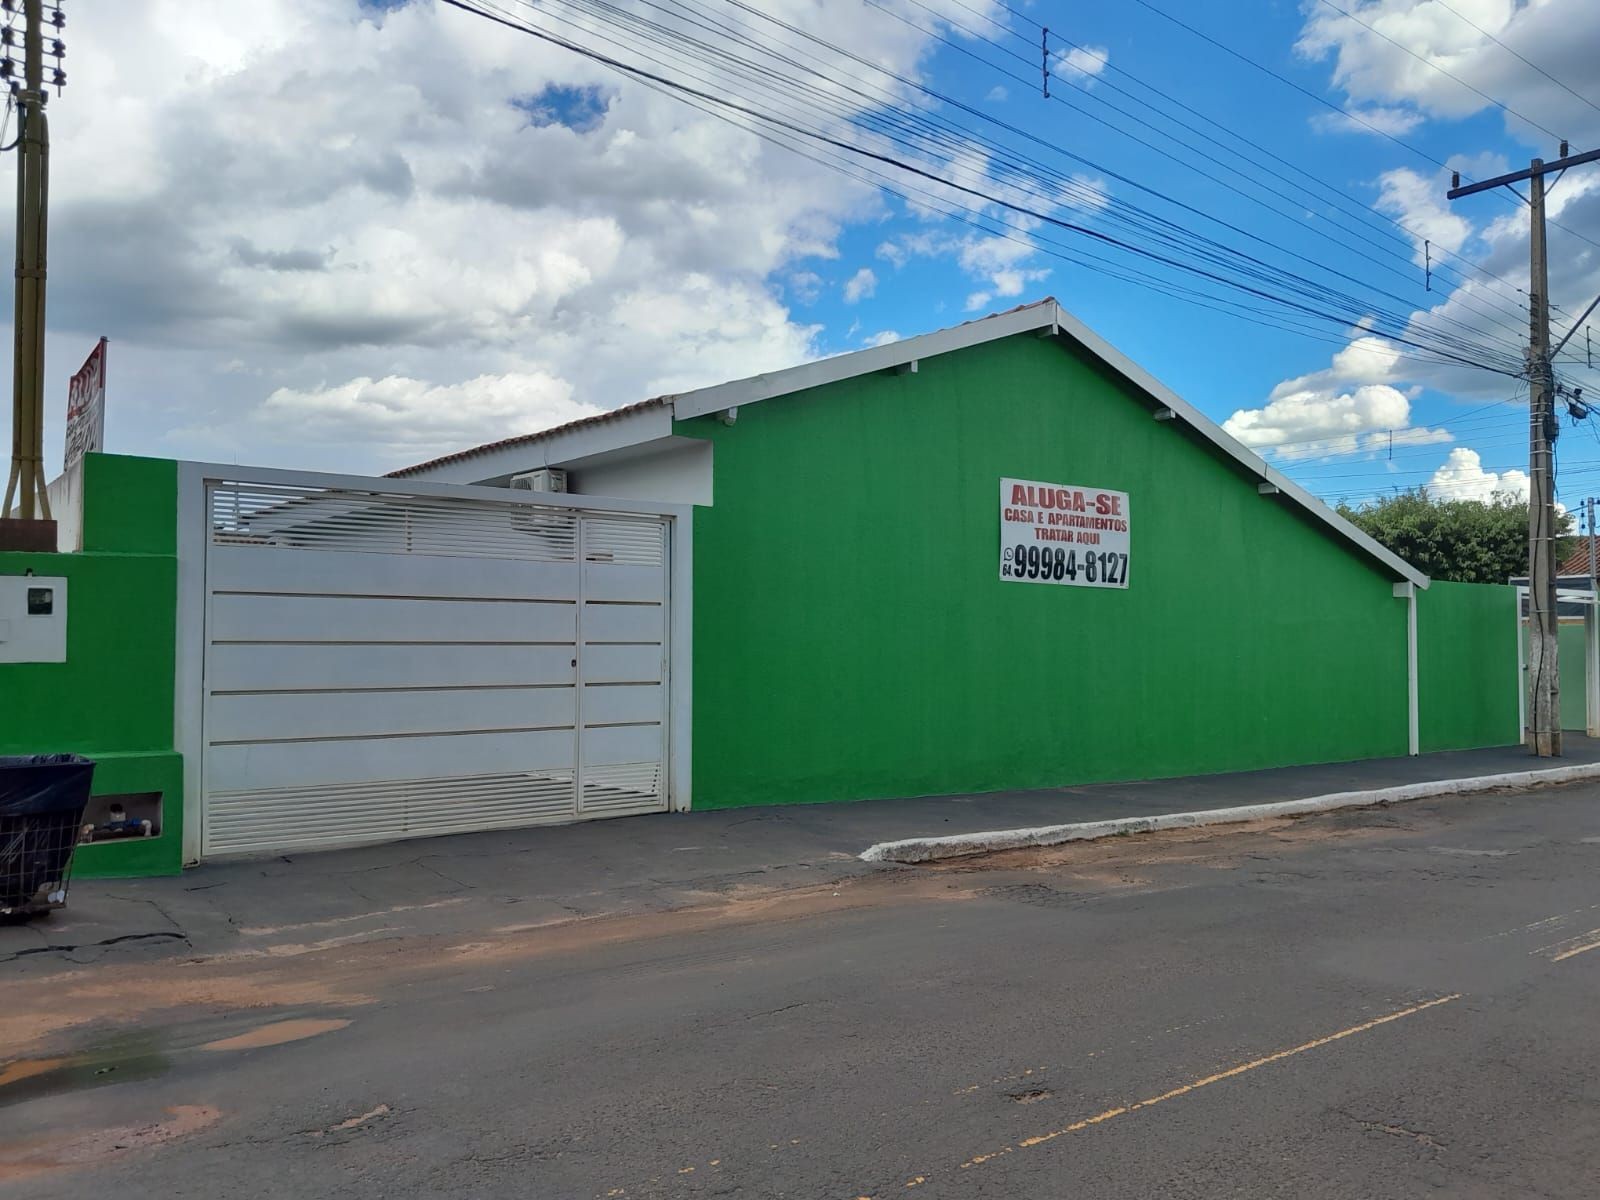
(926, 849)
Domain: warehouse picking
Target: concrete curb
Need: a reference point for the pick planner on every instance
(959, 845)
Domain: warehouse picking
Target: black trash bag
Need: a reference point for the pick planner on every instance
(42, 798)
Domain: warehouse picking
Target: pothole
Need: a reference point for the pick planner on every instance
(1031, 1096)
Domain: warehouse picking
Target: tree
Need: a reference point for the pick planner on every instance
(1469, 541)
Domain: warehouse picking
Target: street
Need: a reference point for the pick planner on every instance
(1382, 1003)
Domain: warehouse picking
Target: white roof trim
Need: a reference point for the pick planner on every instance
(1046, 318)
(1069, 326)
(1050, 319)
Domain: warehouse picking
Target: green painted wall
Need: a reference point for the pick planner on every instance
(1570, 647)
(113, 698)
(853, 639)
(1467, 675)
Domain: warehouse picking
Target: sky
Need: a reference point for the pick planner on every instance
(351, 235)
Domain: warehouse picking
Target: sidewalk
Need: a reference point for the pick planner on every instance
(527, 877)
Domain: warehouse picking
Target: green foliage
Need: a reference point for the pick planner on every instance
(1468, 541)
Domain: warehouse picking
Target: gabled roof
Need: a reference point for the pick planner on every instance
(1045, 318)
(1576, 563)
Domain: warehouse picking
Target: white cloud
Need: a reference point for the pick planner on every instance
(1086, 193)
(805, 286)
(1419, 204)
(1349, 407)
(860, 286)
(1314, 422)
(453, 211)
(409, 416)
(1481, 302)
(1376, 119)
(1462, 477)
(1003, 262)
(1559, 35)
(886, 337)
(1004, 265)
(996, 94)
(1082, 64)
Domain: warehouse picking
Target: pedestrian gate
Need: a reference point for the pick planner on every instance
(380, 666)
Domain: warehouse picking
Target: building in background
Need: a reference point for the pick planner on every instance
(997, 556)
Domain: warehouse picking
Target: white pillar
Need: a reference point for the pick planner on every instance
(1408, 592)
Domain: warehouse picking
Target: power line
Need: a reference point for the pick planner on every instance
(1505, 342)
(1410, 272)
(1355, 205)
(1324, 101)
(1208, 249)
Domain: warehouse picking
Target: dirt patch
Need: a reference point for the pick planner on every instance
(355, 1122)
(38, 1156)
(277, 1033)
(28, 1068)
(46, 1008)
(746, 905)
(35, 1009)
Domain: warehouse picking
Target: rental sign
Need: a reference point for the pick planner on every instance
(1063, 533)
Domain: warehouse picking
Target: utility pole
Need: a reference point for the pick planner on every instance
(26, 483)
(1543, 735)
(1590, 503)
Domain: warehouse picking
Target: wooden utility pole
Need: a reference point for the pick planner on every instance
(26, 483)
(1543, 734)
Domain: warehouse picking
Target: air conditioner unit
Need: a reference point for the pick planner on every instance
(545, 479)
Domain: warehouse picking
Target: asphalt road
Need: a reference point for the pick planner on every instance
(1380, 1004)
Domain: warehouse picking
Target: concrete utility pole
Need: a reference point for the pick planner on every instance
(1590, 503)
(27, 482)
(1543, 734)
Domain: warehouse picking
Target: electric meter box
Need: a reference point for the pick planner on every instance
(33, 619)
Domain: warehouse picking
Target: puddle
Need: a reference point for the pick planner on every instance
(27, 1068)
(277, 1033)
(117, 1060)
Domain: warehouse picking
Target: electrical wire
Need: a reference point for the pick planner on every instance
(1532, 65)
(1499, 334)
(1351, 203)
(1325, 102)
(1207, 249)
(917, 133)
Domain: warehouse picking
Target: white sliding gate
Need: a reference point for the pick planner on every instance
(381, 665)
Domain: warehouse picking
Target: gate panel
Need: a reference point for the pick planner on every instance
(382, 666)
(623, 666)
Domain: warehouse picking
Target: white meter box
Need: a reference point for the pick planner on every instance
(33, 619)
(1063, 533)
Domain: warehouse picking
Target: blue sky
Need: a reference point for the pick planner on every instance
(350, 235)
(1217, 360)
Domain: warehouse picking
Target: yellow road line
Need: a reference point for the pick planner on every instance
(1595, 945)
(1556, 951)
(1197, 1084)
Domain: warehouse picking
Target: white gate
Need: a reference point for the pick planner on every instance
(381, 666)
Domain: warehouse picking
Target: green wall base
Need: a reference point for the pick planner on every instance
(117, 774)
